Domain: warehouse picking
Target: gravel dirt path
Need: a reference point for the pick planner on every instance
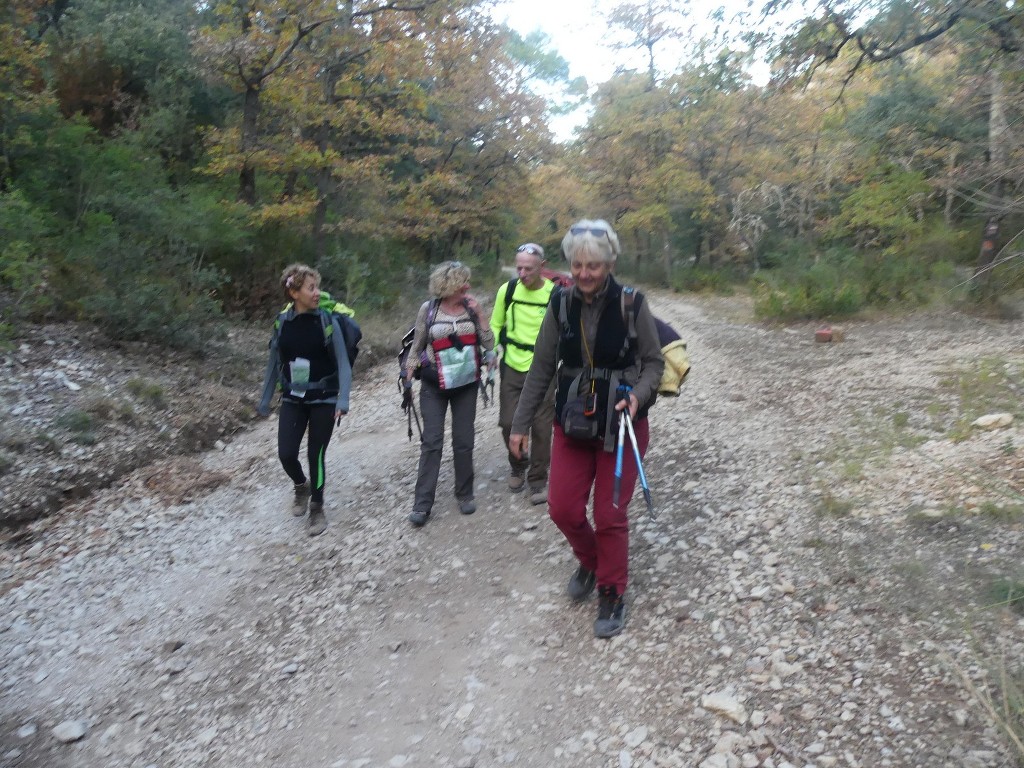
(814, 592)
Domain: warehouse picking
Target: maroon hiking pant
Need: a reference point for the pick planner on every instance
(576, 466)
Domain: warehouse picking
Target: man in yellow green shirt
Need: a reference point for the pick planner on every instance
(515, 322)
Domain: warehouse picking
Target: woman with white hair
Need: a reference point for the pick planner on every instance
(448, 348)
(604, 349)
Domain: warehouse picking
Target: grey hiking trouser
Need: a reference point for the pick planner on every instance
(536, 465)
(434, 403)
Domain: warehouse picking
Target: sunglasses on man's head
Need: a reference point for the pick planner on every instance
(530, 249)
(595, 231)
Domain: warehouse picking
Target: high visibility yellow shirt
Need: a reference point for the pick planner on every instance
(520, 321)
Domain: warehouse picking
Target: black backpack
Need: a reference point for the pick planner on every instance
(350, 329)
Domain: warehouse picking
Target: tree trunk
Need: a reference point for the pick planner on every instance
(999, 140)
(250, 122)
(666, 256)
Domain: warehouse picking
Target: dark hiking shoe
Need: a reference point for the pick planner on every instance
(516, 482)
(539, 494)
(418, 518)
(581, 584)
(317, 520)
(467, 506)
(301, 497)
(611, 613)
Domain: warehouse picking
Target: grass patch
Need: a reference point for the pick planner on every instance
(1002, 512)
(148, 392)
(107, 408)
(1007, 593)
(46, 442)
(81, 424)
(830, 505)
(991, 385)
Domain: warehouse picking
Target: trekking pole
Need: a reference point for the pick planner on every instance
(409, 407)
(621, 393)
(618, 461)
(639, 465)
(483, 390)
(417, 417)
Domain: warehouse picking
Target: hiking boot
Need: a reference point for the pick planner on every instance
(317, 520)
(301, 497)
(581, 584)
(418, 518)
(611, 613)
(516, 482)
(538, 494)
(467, 506)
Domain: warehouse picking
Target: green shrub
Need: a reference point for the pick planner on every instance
(842, 282)
(704, 280)
(824, 289)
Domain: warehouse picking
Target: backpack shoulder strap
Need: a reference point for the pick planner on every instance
(432, 312)
(630, 301)
(510, 289)
(327, 324)
(563, 310)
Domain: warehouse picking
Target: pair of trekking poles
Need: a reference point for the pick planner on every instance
(626, 429)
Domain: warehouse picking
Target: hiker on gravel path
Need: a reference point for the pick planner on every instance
(312, 370)
(449, 347)
(519, 308)
(587, 338)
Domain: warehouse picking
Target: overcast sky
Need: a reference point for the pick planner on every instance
(578, 32)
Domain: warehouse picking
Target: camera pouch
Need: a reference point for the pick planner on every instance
(575, 421)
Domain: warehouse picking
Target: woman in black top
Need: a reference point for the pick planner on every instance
(309, 364)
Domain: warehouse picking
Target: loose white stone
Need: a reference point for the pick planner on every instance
(206, 736)
(635, 737)
(725, 704)
(993, 421)
(70, 731)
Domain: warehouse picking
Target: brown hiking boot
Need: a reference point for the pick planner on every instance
(317, 520)
(516, 482)
(301, 498)
(539, 494)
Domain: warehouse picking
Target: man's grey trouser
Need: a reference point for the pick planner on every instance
(536, 466)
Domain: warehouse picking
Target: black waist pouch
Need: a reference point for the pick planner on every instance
(576, 423)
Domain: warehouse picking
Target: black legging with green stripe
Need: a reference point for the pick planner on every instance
(293, 420)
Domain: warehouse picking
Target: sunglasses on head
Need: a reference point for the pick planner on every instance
(595, 231)
(530, 249)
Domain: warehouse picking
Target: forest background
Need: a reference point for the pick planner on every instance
(161, 160)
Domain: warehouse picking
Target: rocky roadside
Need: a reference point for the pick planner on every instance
(80, 413)
(814, 591)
